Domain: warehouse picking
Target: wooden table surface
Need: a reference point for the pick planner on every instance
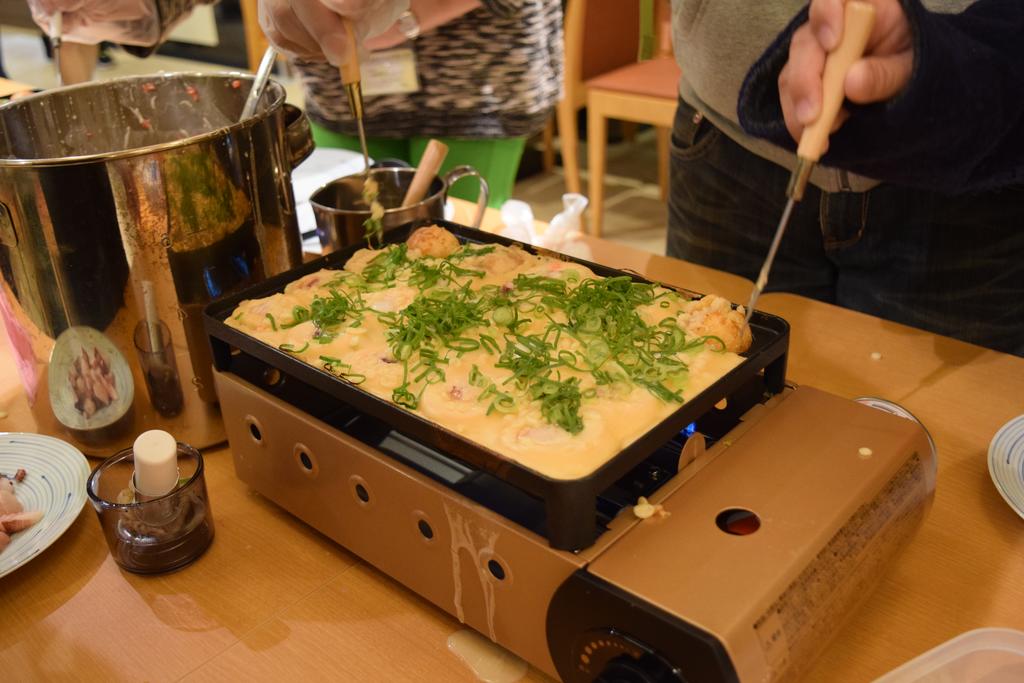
(274, 600)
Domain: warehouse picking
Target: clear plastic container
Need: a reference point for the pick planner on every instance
(985, 655)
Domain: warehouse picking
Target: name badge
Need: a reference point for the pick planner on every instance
(389, 72)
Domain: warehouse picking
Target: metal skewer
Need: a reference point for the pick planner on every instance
(259, 83)
(858, 20)
(350, 78)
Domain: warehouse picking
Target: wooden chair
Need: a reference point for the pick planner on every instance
(612, 31)
(255, 42)
(641, 92)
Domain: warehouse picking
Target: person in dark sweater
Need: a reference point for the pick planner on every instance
(938, 100)
(917, 215)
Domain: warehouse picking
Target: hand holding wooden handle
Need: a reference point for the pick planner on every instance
(350, 68)
(430, 164)
(859, 19)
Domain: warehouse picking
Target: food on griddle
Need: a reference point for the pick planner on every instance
(432, 241)
(714, 317)
(92, 382)
(535, 358)
(13, 517)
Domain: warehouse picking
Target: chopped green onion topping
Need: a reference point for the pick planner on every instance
(291, 349)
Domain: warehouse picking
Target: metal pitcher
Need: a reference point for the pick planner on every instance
(137, 184)
(341, 211)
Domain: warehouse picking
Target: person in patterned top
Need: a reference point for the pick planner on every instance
(489, 73)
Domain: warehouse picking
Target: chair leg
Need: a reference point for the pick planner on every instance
(548, 158)
(569, 137)
(597, 142)
(664, 135)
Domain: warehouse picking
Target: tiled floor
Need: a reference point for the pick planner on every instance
(634, 212)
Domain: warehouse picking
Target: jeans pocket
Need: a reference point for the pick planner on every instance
(692, 133)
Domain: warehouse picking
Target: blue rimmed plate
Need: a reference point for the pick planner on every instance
(1006, 463)
(55, 484)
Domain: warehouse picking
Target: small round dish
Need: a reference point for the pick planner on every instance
(90, 382)
(56, 473)
(1006, 463)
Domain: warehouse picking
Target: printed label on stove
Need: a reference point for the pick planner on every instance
(843, 572)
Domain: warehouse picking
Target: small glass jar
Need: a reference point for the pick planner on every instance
(155, 349)
(158, 534)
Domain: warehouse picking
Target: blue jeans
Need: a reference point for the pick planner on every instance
(953, 265)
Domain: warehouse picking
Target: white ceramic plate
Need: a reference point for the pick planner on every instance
(1006, 463)
(55, 483)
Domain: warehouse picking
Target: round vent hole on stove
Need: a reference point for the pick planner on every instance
(497, 571)
(738, 521)
(254, 430)
(362, 493)
(305, 460)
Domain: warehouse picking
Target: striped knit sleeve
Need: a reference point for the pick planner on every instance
(502, 8)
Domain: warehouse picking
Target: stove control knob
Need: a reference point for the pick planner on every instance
(609, 656)
(649, 669)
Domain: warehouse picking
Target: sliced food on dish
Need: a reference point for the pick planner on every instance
(13, 515)
(42, 492)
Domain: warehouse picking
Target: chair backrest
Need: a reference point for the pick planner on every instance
(611, 33)
(600, 35)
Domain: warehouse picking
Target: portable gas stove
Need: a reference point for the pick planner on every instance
(780, 507)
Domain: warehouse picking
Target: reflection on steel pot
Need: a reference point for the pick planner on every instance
(104, 186)
(340, 210)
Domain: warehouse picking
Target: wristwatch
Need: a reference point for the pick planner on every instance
(408, 24)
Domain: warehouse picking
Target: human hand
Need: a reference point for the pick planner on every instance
(91, 21)
(879, 75)
(314, 29)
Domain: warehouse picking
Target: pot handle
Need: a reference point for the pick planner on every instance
(460, 172)
(298, 135)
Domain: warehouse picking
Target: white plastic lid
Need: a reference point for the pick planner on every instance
(156, 463)
(984, 655)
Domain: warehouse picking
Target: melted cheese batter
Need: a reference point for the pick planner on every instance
(613, 415)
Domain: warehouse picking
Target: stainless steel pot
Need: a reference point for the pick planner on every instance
(340, 210)
(144, 182)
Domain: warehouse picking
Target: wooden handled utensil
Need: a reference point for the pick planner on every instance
(428, 168)
(259, 83)
(353, 88)
(857, 24)
(858, 20)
